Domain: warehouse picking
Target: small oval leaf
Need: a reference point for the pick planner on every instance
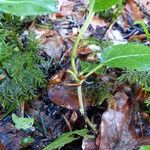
(28, 7)
(22, 123)
(101, 5)
(127, 56)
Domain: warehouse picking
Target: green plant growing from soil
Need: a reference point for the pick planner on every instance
(126, 56)
(94, 6)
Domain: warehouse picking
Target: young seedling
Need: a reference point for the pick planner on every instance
(94, 6)
(127, 56)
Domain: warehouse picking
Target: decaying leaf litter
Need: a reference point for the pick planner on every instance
(114, 106)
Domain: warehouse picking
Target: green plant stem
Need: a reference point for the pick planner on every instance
(74, 75)
(94, 70)
(82, 31)
(74, 54)
(79, 88)
(80, 98)
(145, 29)
(90, 124)
(73, 63)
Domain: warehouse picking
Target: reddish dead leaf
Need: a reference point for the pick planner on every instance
(64, 96)
(41, 33)
(58, 15)
(2, 146)
(87, 53)
(83, 50)
(145, 115)
(64, 93)
(61, 94)
(117, 130)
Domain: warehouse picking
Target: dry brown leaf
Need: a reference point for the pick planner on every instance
(84, 50)
(130, 14)
(133, 10)
(58, 78)
(96, 21)
(117, 130)
(63, 96)
(145, 5)
(66, 8)
(64, 93)
(137, 37)
(89, 144)
(2, 146)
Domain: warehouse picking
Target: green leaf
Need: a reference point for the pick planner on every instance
(146, 147)
(66, 138)
(101, 5)
(127, 56)
(22, 123)
(28, 7)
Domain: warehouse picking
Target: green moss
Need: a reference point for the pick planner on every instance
(97, 91)
(19, 65)
(140, 77)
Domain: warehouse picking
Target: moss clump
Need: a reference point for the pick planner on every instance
(19, 64)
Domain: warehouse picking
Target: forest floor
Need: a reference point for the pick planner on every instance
(116, 107)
